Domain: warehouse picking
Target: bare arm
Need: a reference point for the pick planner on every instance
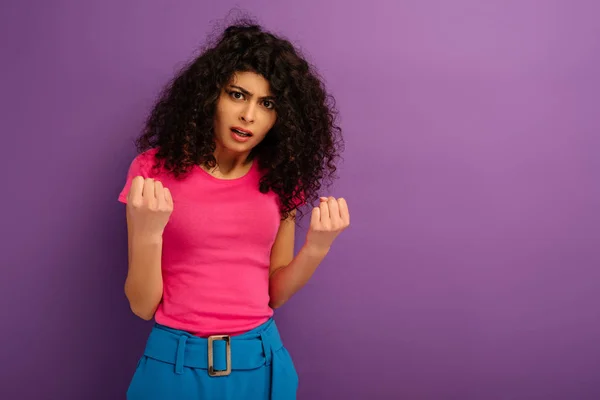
(144, 285)
(288, 274)
(287, 279)
(149, 206)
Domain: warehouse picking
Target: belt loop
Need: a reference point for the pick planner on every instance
(266, 345)
(180, 354)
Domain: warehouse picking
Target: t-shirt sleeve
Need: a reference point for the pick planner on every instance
(140, 166)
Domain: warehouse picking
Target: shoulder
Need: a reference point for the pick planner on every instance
(147, 157)
(143, 163)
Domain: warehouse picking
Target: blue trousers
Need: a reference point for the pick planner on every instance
(180, 366)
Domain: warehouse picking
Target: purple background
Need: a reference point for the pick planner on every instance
(471, 269)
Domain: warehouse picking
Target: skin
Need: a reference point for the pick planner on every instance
(248, 103)
(245, 102)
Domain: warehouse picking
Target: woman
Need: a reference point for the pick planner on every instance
(240, 140)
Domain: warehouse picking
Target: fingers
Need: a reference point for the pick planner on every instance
(148, 192)
(162, 196)
(168, 198)
(344, 212)
(158, 190)
(136, 187)
(159, 195)
(151, 192)
(315, 217)
(334, 213)
(324, 206)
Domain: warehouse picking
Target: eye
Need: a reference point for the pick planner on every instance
(268, 104)
(236, 95)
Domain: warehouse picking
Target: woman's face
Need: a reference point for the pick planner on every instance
(245, 112)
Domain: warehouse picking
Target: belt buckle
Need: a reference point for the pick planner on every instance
(211, 370)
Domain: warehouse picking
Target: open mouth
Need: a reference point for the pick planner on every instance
(241, 133)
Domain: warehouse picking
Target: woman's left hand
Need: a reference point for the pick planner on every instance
(327, 221)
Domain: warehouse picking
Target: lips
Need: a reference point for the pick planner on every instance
(241, 131)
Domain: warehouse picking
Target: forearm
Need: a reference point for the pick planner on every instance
(144, 285)
(286, 281)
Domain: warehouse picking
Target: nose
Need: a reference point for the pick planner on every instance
(248, 114)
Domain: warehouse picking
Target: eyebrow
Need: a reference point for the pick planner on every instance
(246, 92)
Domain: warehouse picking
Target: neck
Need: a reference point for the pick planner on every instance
(230, 164)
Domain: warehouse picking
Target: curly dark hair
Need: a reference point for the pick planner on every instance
(298, 154)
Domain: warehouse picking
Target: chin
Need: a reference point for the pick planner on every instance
(235, 147)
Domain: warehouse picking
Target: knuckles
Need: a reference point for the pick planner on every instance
(136, 203)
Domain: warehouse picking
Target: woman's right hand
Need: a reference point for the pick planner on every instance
(149, 206)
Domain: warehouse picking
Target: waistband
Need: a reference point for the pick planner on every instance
(218, 354)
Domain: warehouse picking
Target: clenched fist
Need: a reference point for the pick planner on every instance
(149, 206)
(327, 221)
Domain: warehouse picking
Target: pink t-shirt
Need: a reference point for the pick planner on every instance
(216, 250)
